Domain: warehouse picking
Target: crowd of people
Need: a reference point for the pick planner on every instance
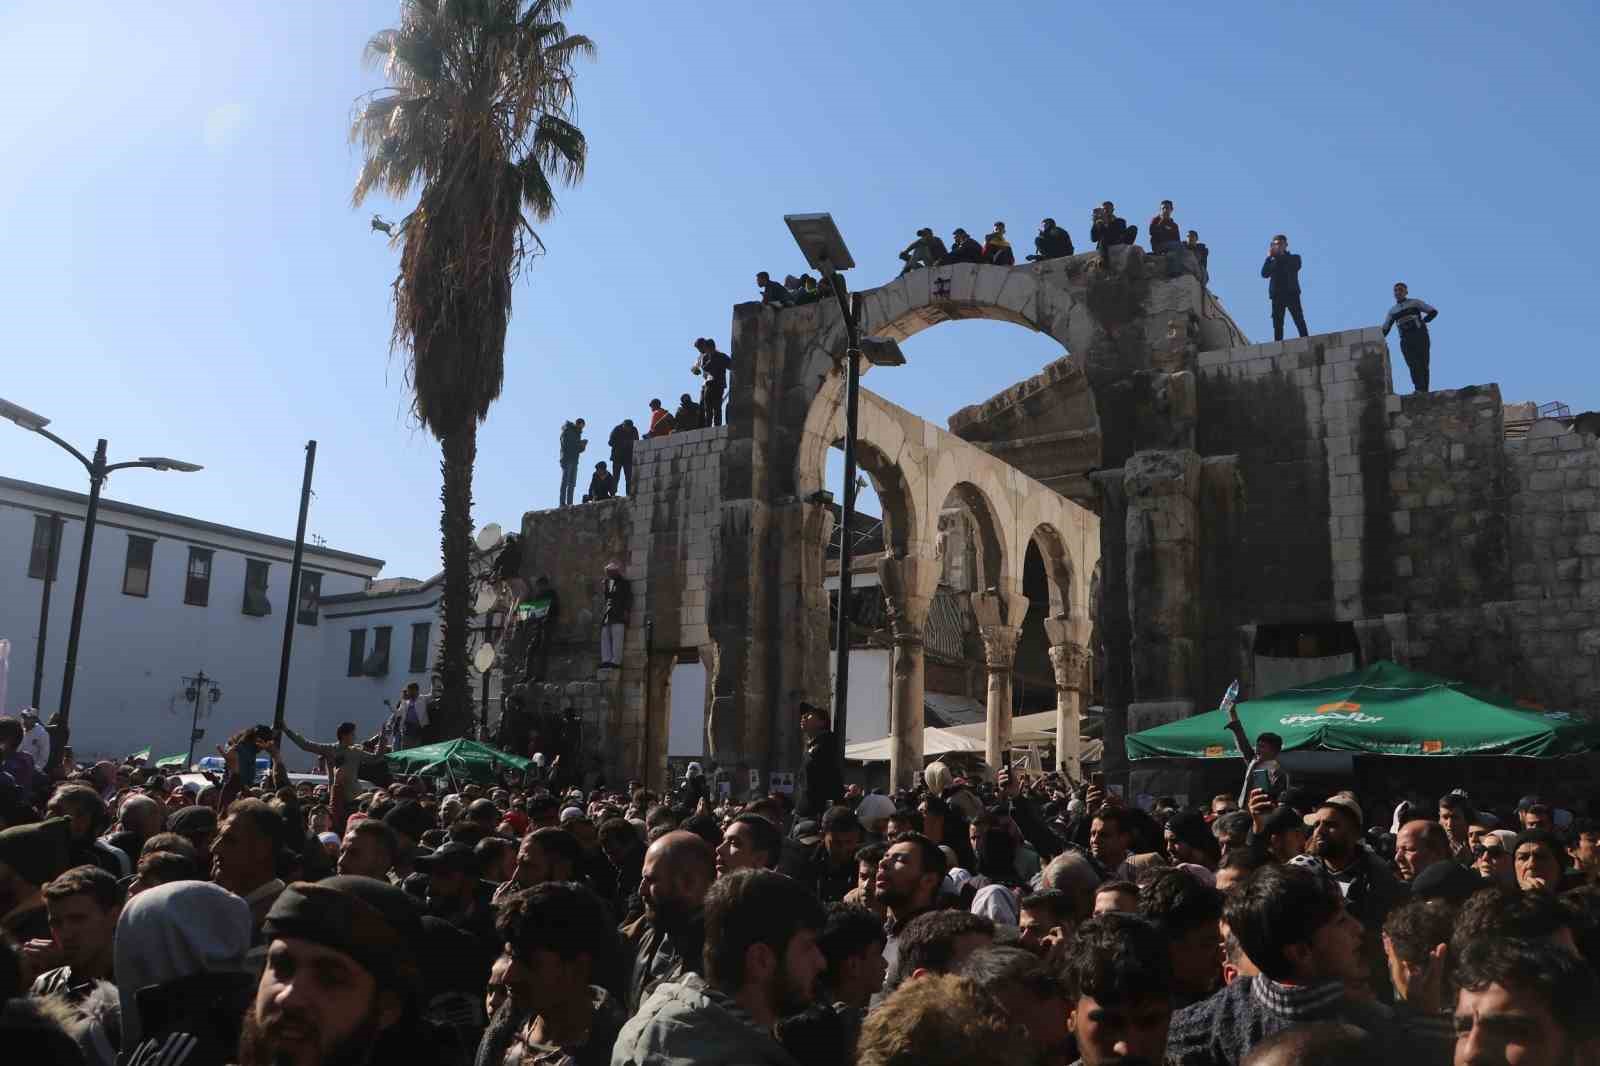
(1107, 230)
(1032, 922)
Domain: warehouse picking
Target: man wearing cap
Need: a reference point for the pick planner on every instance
(409, 820)
(30, 855)
(1370, 890)
(1534, 813)
(197, 825)
(829, 869)
(343, 982)
(614, 615)
(457, 895)
(824, 776)
(35, 738)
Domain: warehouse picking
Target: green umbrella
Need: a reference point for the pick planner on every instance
(455, 758)
(1383, 709)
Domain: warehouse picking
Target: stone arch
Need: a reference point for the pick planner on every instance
(883, 454)
(1059, 571)
(993, 524)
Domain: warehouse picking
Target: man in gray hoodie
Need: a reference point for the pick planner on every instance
(762, 962)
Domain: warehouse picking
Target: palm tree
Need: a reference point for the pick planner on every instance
(477, 112)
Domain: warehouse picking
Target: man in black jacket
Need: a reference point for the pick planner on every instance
(1108, 230)
(572, 446)
(1053, 242)
(713, 368)
(622, 439)
(1282, 271)
(824, 776)
(963, 250)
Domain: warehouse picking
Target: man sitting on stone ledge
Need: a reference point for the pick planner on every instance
(1164, 239)
(926, 251)
(771, 292)
(1201, 252)
(661, 421)
(602, 486)
(964, 250)
(1109, 230)
(688, 415)
(1053, 242)
(996, 249)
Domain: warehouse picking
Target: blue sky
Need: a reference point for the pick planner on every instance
(185, 275)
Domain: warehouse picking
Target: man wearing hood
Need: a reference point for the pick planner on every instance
(343, 983)
(762, 963)
(668, 941)
(179, 959)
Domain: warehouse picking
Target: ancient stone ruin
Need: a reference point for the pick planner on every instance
(1204, 509)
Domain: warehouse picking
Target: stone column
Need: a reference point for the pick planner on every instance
(999, 625)
(908, 584)
(1069, 657)
(1163, 561)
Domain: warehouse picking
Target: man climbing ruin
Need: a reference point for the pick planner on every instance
(572, 446)
(602, 486)
(926, 251)
(1282, 271)
(1053, 242)
(1412, 316)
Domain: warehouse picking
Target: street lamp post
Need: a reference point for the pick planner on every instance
(197, 689)
(98, 470)
(824, 248)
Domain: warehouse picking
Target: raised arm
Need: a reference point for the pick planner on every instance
(327, 751)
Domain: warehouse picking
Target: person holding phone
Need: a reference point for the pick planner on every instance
(1264, 772)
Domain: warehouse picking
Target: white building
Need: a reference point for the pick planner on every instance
(169, 596)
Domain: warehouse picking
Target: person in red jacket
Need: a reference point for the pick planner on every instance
(1166, 239)
(661, 422)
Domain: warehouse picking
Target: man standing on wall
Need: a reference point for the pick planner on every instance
(1412, 316)
(1282, 271)
(572, 446)
(614, 617)
(713, 368)
(623, 437)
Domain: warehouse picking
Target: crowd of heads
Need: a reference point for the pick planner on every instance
(1041, 921)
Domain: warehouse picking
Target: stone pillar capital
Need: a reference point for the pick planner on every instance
(1000, 607)
(1069, 662)
(999, 646)
(908, 583)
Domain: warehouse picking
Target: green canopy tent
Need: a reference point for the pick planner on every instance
(458, 759)
(1383, 709)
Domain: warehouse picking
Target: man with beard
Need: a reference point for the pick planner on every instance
(1033, 995)
(908, 882)
(668, 941)
(89, 817)
(244, 857)
(1370, 890)
(1526, 1003)
(84, 904)
(761, 961)
(544, 855)
(559, 949)
(1119, 989)
(1292, 923)
(343, 983)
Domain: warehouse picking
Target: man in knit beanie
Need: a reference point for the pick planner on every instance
(343, 981)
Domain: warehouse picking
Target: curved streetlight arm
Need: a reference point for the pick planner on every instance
(45, 433)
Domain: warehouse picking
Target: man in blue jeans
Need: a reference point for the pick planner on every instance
(1166, 239)
(1282, 271)
(572, 446)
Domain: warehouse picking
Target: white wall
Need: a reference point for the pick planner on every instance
(342, 698)
(686, 722)
(867, 716)
(133, 650)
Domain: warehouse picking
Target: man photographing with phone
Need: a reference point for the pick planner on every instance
(1264, 773)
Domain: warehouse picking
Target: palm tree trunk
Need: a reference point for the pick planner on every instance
(453, 705)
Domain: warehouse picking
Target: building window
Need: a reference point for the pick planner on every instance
(46, 550)
(255, 588)
(420, 632)
(197, 584)
(358, 652)
(310, 594)
(136, 573)
(377, 664)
